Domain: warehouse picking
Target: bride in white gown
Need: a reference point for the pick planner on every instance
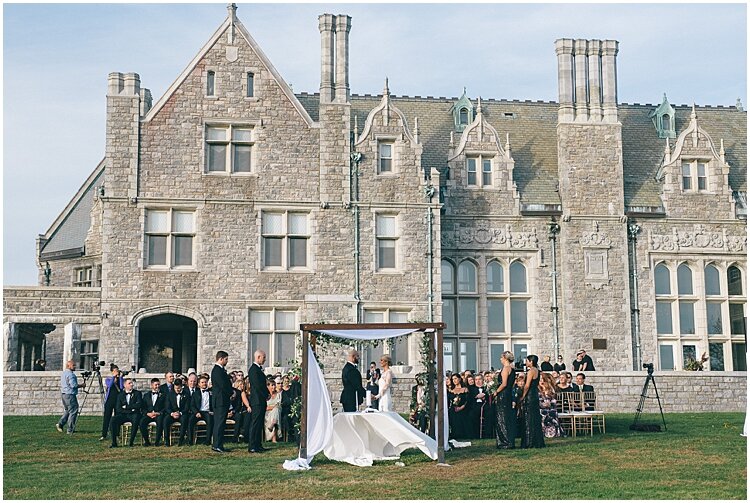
(385, 403)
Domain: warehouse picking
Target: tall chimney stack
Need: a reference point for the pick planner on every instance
(609, 79)
(326, 26)
(343, 25)
(564, 51)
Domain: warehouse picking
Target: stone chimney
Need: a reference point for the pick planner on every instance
(326, 27)
(124, 111)
(587, 80)
(343, 25)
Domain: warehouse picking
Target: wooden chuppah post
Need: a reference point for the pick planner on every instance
(441, 395)
(303, 414)
(431, 369)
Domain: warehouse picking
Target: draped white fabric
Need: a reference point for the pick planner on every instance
(368, 334)
(359, 438)
(319, 415)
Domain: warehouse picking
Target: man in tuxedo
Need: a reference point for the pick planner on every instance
(201, 408)
(178, 410)
(154, 409)
(353, 393)
(581, 386)
(113, 385)
(258, 401)
(169, 382)
(221, 393)
(128, 408)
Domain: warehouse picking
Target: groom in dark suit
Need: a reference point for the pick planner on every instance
(258, 401)
(353, 393)
(221, 390)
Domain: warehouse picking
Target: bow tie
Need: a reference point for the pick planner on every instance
(154, 392)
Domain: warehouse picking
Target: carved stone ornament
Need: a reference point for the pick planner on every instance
(596, 267)
(232, 54)
(699, 238)
(595, 238)
(481, 232)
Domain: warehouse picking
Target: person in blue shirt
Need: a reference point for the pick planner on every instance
(69, 389)
(113, 385)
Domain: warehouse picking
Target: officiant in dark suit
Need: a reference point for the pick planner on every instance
(353, 393)
(221, 390)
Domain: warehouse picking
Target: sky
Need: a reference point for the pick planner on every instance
(56, 58)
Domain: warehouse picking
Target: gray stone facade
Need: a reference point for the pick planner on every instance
(395, 197)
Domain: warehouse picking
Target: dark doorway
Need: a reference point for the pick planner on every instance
(32, 344)
(167, 342)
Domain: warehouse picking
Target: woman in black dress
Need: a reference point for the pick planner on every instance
(532, 432)
(505, 414)
(457, 396)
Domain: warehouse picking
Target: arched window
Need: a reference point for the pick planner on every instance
(447, 284)
(711, 274)
(661, 280)
(517, 277)
(467, 277)
(495, 279)
(463, 116)
(665, 122)
(684, 280)
(734, 280)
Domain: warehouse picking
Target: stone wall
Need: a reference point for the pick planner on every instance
(617, 392)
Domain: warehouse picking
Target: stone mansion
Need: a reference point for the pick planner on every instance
(232, 209)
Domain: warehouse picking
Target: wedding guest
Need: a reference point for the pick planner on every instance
(505, 413)
(583, 362)
(548, 407)
(167, 386)
(127, 409)
(287, 399)
(473, 409)
(559, 365)
(201, 408)
(532, 425)
(555, 377)
(113, 385)
(273, 413)
(546, 365)
(372, 386)
(40, 365)
(564, 385)
(178, 409)
(482, 403)
(242, 410)
(418, 414)
(457, 400)
(581, 386)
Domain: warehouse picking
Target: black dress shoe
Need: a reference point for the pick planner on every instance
(112, 446)
(263, 449)
(218, 449)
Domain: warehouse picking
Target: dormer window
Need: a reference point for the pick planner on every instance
(385, 157)
(478, 171)
(463, 116)
(663, 119)
(463, 112)
(694, 176)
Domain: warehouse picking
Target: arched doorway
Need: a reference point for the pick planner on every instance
(167, 342)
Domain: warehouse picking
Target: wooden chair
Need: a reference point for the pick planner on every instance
(174, 432)
(229, 429)
(592, 408)
(151, 430)
(582, 420)
(564, 414)
(125, 429)
(200, 429)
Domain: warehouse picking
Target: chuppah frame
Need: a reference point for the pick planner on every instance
(308, 337)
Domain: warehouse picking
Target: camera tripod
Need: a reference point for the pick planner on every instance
(90, 389)
(644, 394)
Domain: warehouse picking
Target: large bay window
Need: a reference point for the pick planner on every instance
(169, 236)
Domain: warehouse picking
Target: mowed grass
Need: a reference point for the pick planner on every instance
(700, 456)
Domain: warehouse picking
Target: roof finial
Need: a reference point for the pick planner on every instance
(386, 91)
(693, 116)
(721, 152)
(507, 145)
(232, 10)
(479, 106)
(739, 105)
(416, 129)
(232, 14)
(465, 92)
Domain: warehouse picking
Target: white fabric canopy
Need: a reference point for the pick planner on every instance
(361, 334)
(359, 438)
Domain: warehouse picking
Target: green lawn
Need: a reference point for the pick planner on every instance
(701, 456)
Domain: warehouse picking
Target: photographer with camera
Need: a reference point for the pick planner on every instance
(69, 389)
(112, 387)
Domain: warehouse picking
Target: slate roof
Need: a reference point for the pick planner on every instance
(533, 140)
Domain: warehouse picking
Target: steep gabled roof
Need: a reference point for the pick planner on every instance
(228, 22)
(68, 231)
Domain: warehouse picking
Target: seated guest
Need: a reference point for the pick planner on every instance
(581, 386)
(546, 365)
(564, 385)
(273, 413)
(154, 410)
(178, 410)
(168, 382)
(192, 388)
(559, 365)
(548, 407)
(127, 409)
(201, 409)
(555, 377)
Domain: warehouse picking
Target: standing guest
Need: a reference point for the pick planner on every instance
(457, 400)
(481, 406)
(546, 365)
(372, 368)
(127, 409)
(286, 410)
(532, 431)
(583, 362)
(40, 365)
(548, 407)
(474, 409)
(373, 388)
(273, 413)
(418, 416)
(505, 414)
(69, 390)
(154, 409)
(242, 409)
(353, 393)
(178, 411)
(258, 402)
(168, 382)
(201, 409)
(517, 404)
(559, 365)
(112, 387)
(221, 393)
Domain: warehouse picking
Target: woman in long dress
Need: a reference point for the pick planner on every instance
(385, 403)
(273, 413)
(532, 433)
(458, 396)
(548, 407)
(505, 414)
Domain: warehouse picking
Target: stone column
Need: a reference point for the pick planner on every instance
(71, 342)
(122, 134)
(609, 79)
(326, 26)
(564, 51)
(595, 86)
(343, 25)
(10, 331)
(579, 49)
